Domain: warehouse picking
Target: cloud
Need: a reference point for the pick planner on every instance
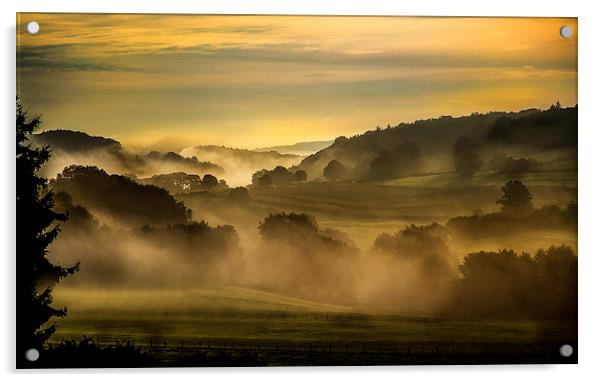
(308, 53)
(249, 29)
(61, 57)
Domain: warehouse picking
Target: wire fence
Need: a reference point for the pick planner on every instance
(161, 344)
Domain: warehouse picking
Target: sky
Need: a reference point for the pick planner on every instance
(166, 81)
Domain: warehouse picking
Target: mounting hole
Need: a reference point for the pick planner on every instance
(33, 27)
(566, 350)
(32, 355)
(566, 31)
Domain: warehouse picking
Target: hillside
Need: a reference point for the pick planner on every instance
(78, 148)
(240, 164)
(74, 141)
(528, 132)
(300, 148)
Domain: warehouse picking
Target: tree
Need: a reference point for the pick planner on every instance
(322, 261)
(37, 227)
(258, 175)
(300, 176)
(277, 225)
(467, 157)
(517, 198)
(239, 195)
(506, 284)
(404, 160)
(281, 176)
(209, 182)
(132, 203)
(265, 180)
(510, 167)
(335, 170)
(415, 242)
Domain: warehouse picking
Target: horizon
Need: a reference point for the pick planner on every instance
(260, 81)
(176, 148)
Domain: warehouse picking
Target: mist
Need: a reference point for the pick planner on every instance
(241, 164)
(369, 223)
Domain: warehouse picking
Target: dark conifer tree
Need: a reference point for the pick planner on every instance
(37, 226)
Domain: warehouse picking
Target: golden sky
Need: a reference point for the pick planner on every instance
(250, 81)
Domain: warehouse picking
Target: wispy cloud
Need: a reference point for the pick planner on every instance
(274, 78)
(63, 57)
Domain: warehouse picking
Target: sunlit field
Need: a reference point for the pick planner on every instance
(365, 210)
(282, 330)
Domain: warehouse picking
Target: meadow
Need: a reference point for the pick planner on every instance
(365, 210)
(175, 325)
(199, 325)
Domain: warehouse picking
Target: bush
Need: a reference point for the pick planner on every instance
(505, 285)
(86, 353)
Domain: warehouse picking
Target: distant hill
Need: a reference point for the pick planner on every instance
(527, 132)
(240, 164)
(256, 158)
(76, 147)
(300, 148)
(74, 141)
(119, 198)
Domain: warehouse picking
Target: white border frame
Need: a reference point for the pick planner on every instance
(590, 261)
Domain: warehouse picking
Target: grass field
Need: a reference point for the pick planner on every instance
(183, 327)
(365, 210)
(283, 330)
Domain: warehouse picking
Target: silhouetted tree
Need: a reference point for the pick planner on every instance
(425, 246)
(415, 241)
(281, 176)
(322, 260)
(209, 182)
(505, 284)
(517, 199)
(175, 183)
(340, 141)
(121, 197)
(300, 176)
(467, 157)
(404, 160)
(257, 175)
(266, 181)
(79, 217)
(36, 228)
(86, 353)
(276, 225)
(239, 195)
(510, 167)
(335, 170)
